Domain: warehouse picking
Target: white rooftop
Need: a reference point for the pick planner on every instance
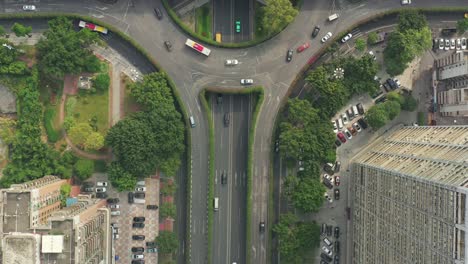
(52, 244)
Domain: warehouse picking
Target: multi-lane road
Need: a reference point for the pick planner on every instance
(225, 15)
(191, 72)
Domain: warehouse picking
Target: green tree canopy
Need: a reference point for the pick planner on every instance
(359, 75)
(277, 14)
(167, 242)
(83, 135)
(167, 210)
(308, 195)
(360, 44)
(376, 117)
(409, 103)
(20, 30)
(392, 109)
(462, 25)
(153, 92)
(84, 168)
(411, 20)
(101, 82)
(120, 178)
(372, 38)
(2, 31)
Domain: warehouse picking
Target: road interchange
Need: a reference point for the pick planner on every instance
(191, 72)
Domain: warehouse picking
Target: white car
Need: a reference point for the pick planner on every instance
(116, 236)
(246, 81)
(405, 2)
(452, 44)
(326, 37)
(357, 127)
(441, 44)
(231, 62)
(463, 43)
(335, 127)
(101, 184)
(29, 7)
(371, 53)
(345, 119)
(140, 189)
(140, 183)
(447, 44)
(327, 250)
(397, 82)
(101, 190)
(114, 206)
(347, 133)
(346, 38)
(328, 198)
(458, 46)
(139, 256)
(328, 177)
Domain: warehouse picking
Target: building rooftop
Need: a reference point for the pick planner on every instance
(52, 244)
(21, 249)
(16, 215)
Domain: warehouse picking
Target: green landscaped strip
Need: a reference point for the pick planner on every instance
(204, 18)
(50, 114)
(93, 105)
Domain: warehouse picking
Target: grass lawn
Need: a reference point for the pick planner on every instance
(93, 105)
(204, 19)
(130, 105)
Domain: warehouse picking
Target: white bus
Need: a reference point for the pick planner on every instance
(198, 47)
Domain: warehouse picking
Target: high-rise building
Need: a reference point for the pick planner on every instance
(36, 229)
(409, 197)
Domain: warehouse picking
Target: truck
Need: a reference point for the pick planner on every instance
(198, 47)
(333, 17)
(92, 27)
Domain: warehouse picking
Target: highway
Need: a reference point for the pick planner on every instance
(231, 142)
(191, 72)
(226, 13)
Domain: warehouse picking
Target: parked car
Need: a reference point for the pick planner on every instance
(113, 200)
(140, 189)
(348, 134)
(101, 195)
(335, 127)
(336, 193)
(352, 130)
(329, 167)
(337, 143)
(168, 45)
(139, 195)
(138, 249)
(327, 37)
(350, 113)
(289, 55)
(392, 83)
(238, 26)
(405, 2)
(341, 137)
(328, 177)
(138, 237)
(337, 232)
(138, 225)
(327, 251)
(377, 94)
(140, 183)
(447, 44)
(357, 127)
(136, 256)
(130, 197)
(261, 227)
(328, 198)
(152, 207)
(277, 145)
(345, 119)
(231, 62)
(346, 38)
(101, 190)
(381, 100)
(150, 244)
(226, 119)
(441, 44)
(325, 257)
(336, 259)
(101, 184)
(363, 123)
(328, 184)
(219, 98)
(88, 189)
(458, 45)
(387, 87)
(463, 43)
(158, 13)
(114, 206)
(452, 44)
(303, 47)
(138, 219)
(115, 213)
(337, 180)
(329, 230)
(337, 166)
(246, 81)
(360, 109)
(315, 31)
(337, 246)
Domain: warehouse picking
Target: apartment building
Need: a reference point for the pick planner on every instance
(409, 197)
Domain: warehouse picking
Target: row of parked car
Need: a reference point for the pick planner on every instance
(329, 246)
(451, 44)
(344, 132)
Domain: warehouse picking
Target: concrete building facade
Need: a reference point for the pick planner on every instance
(409, 197)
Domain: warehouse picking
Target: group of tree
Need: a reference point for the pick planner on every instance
(378, 115)
(411, 38)
(21, 30)
(277, 14)
(167, 242)
(9, 63)
(462, 25)
(149, 140)
(85, 137)
(296, 238)
(66, 51)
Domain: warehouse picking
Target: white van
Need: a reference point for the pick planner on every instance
(192, 121)
(115, 213)
(356, 113)
(216, 204)
(340, 123)
(333, 17)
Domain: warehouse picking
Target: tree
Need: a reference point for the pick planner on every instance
(392, 109)
(277, 14)
(64, 50)
(360, 44)
(372, 38)
(167, 210)
(84, 169)
(411, 20)
(2, 31)
(359, 75)
(20, 30)
(462, 25)
(169, 188)
(101, 82)
(409, 103)
(83, 135)
(308, 195)
(7, 56)
(284, 229)
(376, 117)
(64, 193)
(167, 242)
(94, 141)
(153, 92)
(120, 178)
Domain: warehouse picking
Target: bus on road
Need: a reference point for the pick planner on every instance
(198, 47)
(92, 27)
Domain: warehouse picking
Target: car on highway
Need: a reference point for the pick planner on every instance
(303, 47)
(138, 249)
(138, 219)
(341, 137)
(327, 251)
(277, 146)
(113, 200)
(452, 44)
(261, 227)
(347, 133)
(463, 43)
(101, 190)
(29, 7)
(158, 13)
(337, 232)
(289, 55)
(138, 237)
(337, 180)
(246, 81)
(326, 37)
(336, 194)
(357, 127)
(140, 189)
(405, 2)
(168, 45)
(441, 44)
(231, 62)
(315, 31)
(152, 207)
(346, 38)
(345, 119)
(226, 119)
(224, 178)
(238, 26)
(138, 225)
(219, 99)
(101, 184)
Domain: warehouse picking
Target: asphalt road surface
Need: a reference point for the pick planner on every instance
(231, 142)
(191, 72)
(226, 13)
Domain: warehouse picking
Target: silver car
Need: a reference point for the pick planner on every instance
(326, 37)
(29, 7)
(246, 81)
(231, 62)
(447, 44)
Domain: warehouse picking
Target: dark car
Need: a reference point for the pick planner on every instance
(337, 232)
(336, 259)
(113, 200)
(88, 184)
(329, 230)
(323, 261)
(138, 219)
(362, 123)
(168, 45)
(325, 257)
(337, 166)
(277, 145)
(138, 261)
(392, 83)
(130, 197)
(138, 237)
(337, 247)
(381, 100)
(316, 31)
(327, 183)
(87, 189)
(377, 94)
(101, 195)
(337, 194)
(337, 143)
(226, 119)
(151, 244)
(138, 225)
(224, 177)
(152, 207)
(140, 195)
(138, 249)
(360, 108)
(219, 99)
(323, 230)
(262, 227)
(158, 13)
(289, 55)
(387, 87)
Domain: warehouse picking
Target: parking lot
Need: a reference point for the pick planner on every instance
(124, 243)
